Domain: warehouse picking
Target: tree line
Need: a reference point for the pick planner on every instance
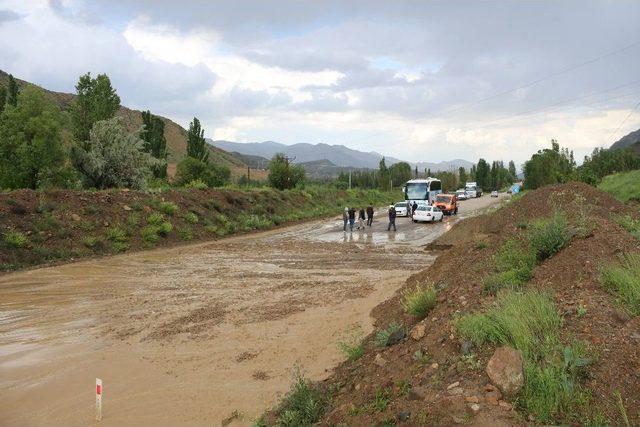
(557, 165)
(88, 146)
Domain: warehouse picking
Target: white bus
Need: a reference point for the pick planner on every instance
(422, 191)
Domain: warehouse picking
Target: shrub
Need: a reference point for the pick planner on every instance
(623, 280)
(116, 234)
(302, 406)
(191, 169)
(164, 229)
(155, 218)
(382, 336)
(420, 300)
(133, 219)
(191, 218)
(120, 246)
(185, 233)
(169, 208)
(197, 184)
(549, 235)
(16, 239)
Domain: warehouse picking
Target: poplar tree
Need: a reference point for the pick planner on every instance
(196, 144)
(96, 100)
(3, 98)
(155, 142)
(12, 97)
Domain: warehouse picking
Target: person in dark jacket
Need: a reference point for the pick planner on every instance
(352, 217)
(392, 218)
(361, 218)
(369, 214)
(345, 218)
(413, 208)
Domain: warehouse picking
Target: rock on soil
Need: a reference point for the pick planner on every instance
(419, 331)
(505, 369)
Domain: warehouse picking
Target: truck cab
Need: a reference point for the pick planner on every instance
(447, 203)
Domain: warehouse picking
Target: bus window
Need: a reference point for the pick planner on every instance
(436, 186)
(417, 191)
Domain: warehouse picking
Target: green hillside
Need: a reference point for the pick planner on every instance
(623, 186)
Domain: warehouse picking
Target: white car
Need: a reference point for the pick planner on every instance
(402, 209)
(494, 193)
(427, 213)
(461, 195)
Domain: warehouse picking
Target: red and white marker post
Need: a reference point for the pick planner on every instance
(98, 399)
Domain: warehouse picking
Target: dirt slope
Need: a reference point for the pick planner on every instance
(417, 390)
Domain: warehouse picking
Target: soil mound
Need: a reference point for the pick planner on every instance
(438, 379)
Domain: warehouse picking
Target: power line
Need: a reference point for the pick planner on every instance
(623, 122)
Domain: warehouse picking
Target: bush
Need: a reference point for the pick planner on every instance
(165, 228)
(549, 236)
(169, 208)
(92, 243)
(16, 239)
(623, 280)
(120, 246)
(190, 169)
(197, 184)
(191, 218)
(420, 300)
(149, 234)
(283, 175)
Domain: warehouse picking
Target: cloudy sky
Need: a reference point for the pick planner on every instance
(416, 80)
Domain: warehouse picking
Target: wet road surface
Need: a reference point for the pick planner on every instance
(190, 335)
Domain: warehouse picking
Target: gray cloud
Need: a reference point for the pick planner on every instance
(8, 15)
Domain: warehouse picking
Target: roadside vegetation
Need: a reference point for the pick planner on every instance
(420, 300)
(623, 186)
(623, 280)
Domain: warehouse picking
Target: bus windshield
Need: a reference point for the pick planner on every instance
(416, 191)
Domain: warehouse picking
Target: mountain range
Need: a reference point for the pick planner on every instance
(630, 140)
(336, 155)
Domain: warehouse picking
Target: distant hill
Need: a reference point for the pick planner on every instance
(337, 155)
(175, 134)
(627, 140)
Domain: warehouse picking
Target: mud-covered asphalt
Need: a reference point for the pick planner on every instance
(195, 334)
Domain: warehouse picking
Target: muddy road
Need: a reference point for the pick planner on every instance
(190, 335)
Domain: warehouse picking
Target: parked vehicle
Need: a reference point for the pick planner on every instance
(427, 214)
(494, 193)
(422, 191)
(447, 203)
(402, 209)
(461, 194)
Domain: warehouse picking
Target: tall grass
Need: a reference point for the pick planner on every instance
(622, 186)
(630, 224)
(514, 266)
(549, 236)
(623, 280)
(420, 300)
(302, 406)
(530, 322)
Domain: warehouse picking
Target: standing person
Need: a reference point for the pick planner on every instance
(370, 214)
(352, 217)
(392, 218)
(361, 219)
(345, 218)
(414, 206)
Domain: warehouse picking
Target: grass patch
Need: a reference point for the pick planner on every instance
(191, 218)
(149, 234)
(629, 223)
(420, 300)
(116, 234)
(382, 336)
(481, 244)
(155, 218)
(169, 208)
(133, 220)
(514, 266)
(623, 280)
(48, 222)
(120, 246)
(302, 406)
(16, 239)
(530, 322)
(352, 347)
(185, 233)
(92, 242)
(549, 236)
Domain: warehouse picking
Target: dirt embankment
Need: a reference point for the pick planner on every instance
(62, 225)
(418, 388)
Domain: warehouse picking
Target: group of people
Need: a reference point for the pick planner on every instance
(349, 217)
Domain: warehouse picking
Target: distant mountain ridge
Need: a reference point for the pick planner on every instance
(627, 140)
(338, 155)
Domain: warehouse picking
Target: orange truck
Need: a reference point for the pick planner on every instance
(447, 203)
